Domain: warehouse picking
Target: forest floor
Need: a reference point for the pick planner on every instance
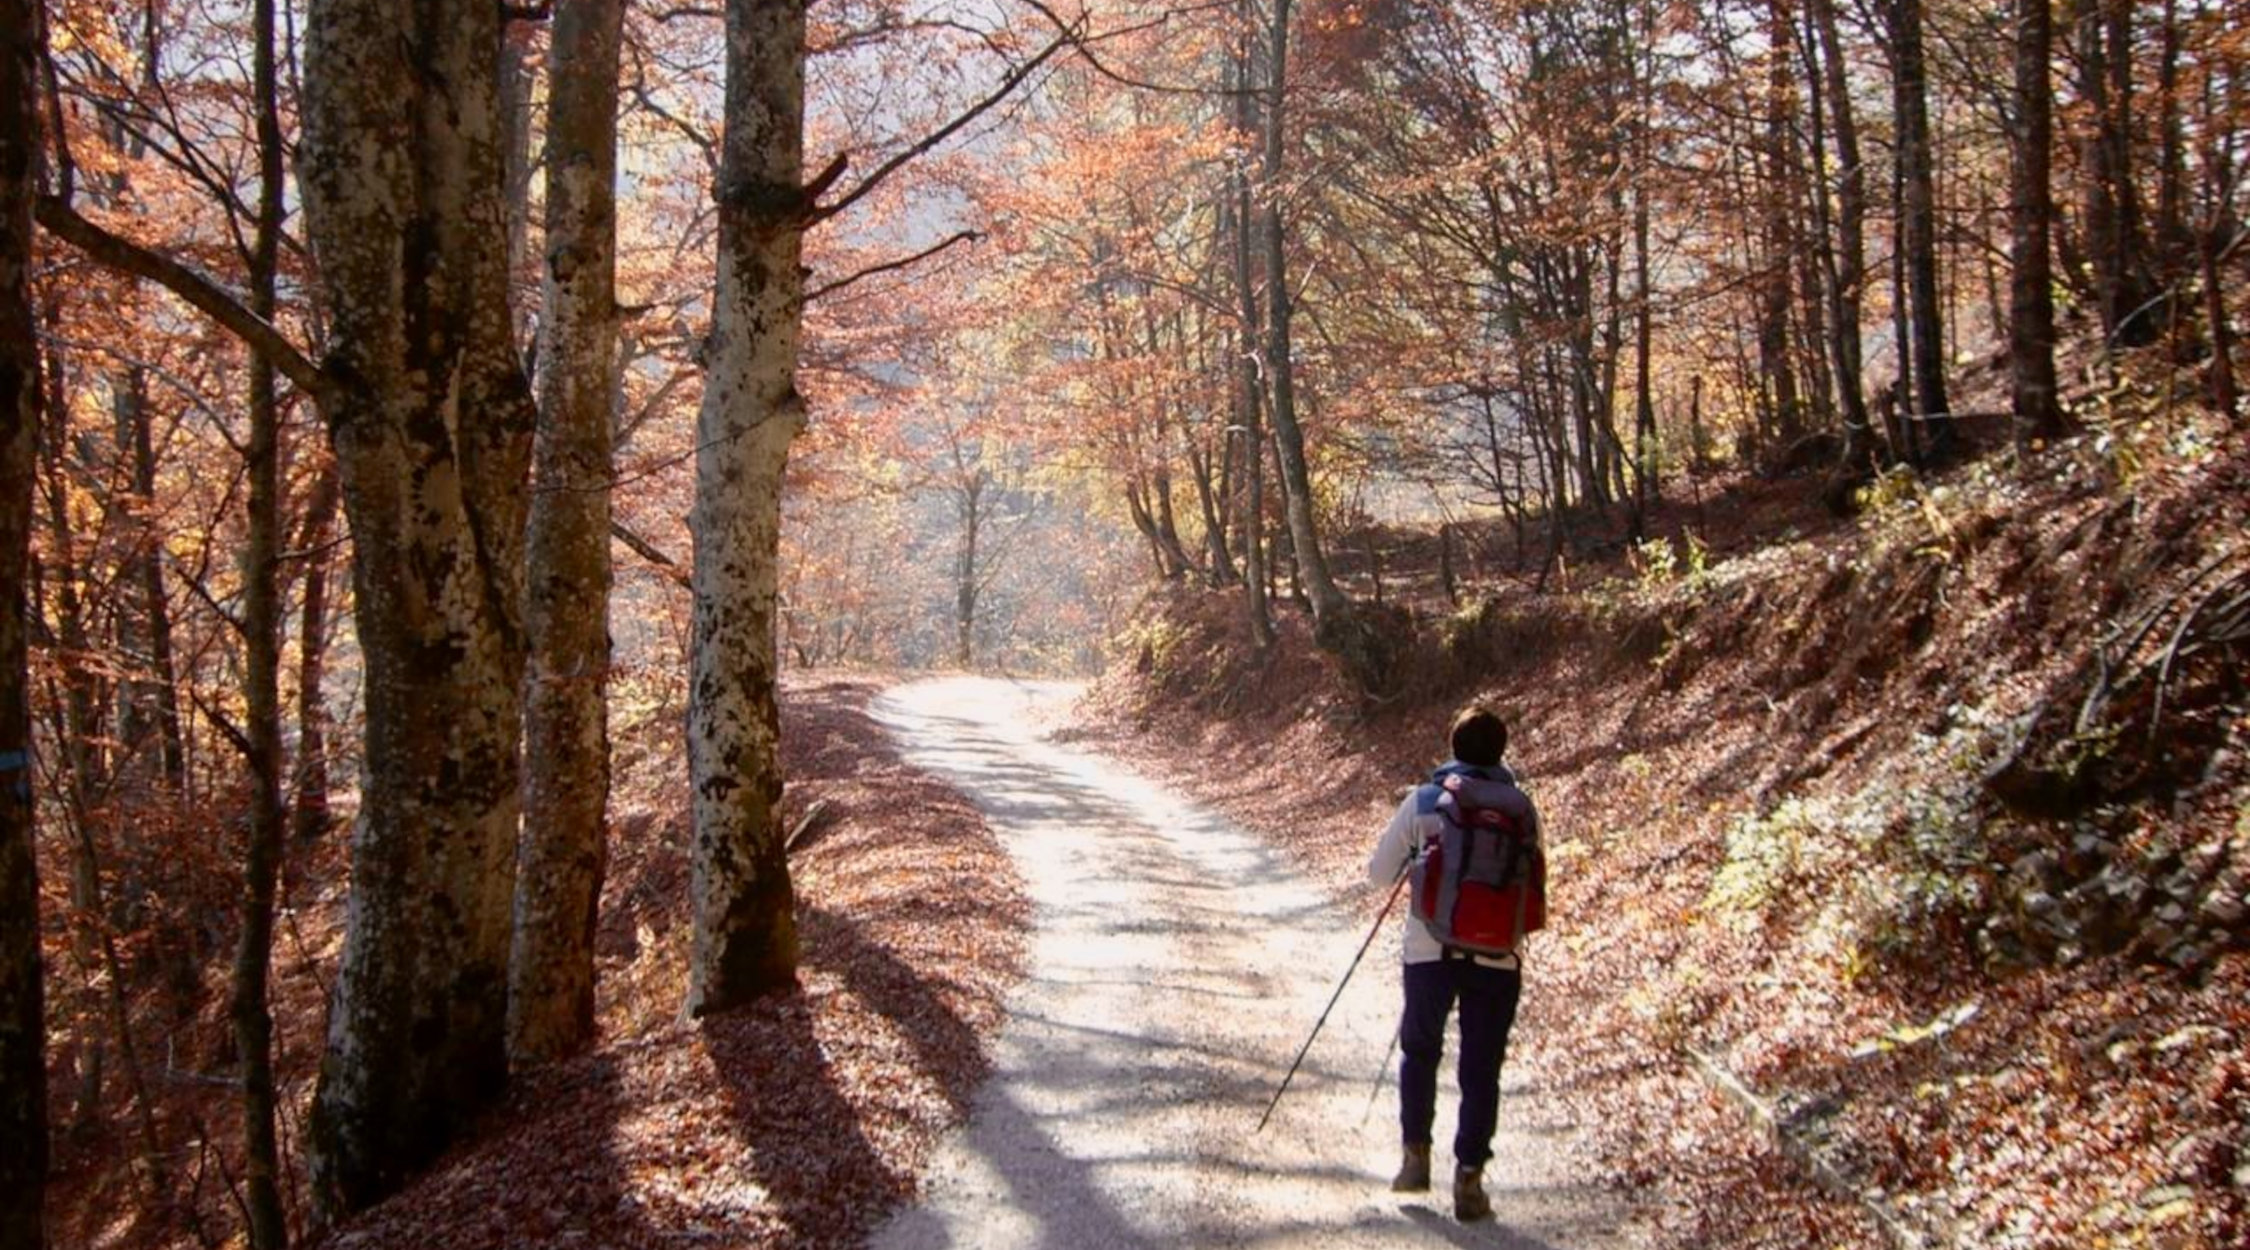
(1928, 829)
(1176, 965)
(797, 1122)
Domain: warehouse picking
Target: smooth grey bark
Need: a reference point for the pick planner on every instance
(744, 941)
(566, 687)
(2031, 209)
(23, 1049)
(402, 167)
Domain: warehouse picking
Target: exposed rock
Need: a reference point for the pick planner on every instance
(2038, 870)
(2221, 911)
(2158, 939)
(2089, 853)
(2186, 956)
(2126, 891)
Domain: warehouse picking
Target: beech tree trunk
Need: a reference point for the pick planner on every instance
(308, 811)
(253, 1020)
(1248, 395)
(968, 505)
(431, 418)
(2031, 301)
(1850, 257)
(150, 711)
(1918, 211)
(745, 928)
(1333, 621)
(1208, 502)
(566, 720)
(1775, 359)
(2113, 228)
(23, 1052)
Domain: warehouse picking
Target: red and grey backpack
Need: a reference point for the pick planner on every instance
(1481, 885)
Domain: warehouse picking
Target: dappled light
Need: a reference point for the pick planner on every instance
(906, 623)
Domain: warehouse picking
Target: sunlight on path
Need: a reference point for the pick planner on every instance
(1174, 966)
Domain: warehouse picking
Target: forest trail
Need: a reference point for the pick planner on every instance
(1175, 964)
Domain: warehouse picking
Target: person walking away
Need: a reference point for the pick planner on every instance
(1476, 977)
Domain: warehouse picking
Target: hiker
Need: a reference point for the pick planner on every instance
(1479, 968)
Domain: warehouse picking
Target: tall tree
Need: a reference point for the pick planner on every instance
(566, 725)
(2031, 210)
(2112, 209)
(23, 1058)
(308, 804)
(1918, 223)
(1776, 360)
(744, 926)
(1848, 260)
(402, 167)
(253, 1021)
(1334, 622)
(1247, 395)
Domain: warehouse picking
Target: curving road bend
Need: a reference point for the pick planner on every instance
(1175, 964)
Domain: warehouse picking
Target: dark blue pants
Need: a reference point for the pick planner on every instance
(1487, 997)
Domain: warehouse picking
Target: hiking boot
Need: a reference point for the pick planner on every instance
(1469, 1201)
(1414, 1173)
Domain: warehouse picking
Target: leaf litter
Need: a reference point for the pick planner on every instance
(801, 1120)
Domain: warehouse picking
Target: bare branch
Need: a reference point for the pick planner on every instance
(959, 236)
(63, 221)
(650, 552)
(1006, 88)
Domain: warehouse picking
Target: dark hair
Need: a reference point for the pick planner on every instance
(1479, 736)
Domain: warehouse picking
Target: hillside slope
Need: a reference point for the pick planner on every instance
(1930, 828)
(799, 1121)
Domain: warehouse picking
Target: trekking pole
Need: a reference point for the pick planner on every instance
(1333, 998)
(1382, 1074)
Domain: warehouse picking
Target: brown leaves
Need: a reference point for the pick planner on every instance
(801, 1120)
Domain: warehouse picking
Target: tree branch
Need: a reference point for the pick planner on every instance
(1006, 88)
(650, 552)
(958, 236)
(104, 248)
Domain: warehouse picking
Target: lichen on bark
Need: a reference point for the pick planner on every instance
(430, 415)
(745, 940)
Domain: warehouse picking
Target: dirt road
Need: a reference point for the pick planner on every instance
(1175, 965)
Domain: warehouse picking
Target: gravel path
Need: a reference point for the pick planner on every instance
(1175, 965)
